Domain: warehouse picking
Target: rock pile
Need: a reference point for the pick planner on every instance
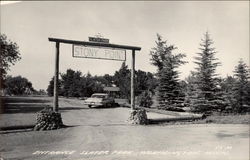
(138, 116)
(48, 120)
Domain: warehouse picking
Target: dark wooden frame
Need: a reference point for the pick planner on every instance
(94, 44)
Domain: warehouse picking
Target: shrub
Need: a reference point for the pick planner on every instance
(145, 99)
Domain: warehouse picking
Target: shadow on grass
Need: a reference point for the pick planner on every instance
(24, 100)
(102, 125)
(25, 128)
(86, 108)
(71, 108)
(16, 131)
(23, 108)
(22, 104)
(12, 105)
(105, 107)
(173, 120)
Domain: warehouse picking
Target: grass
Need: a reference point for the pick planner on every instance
(21, 111)
(217, 119)
(229, 119)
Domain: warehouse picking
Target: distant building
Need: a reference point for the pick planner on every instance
(112, 91)
(116, 94)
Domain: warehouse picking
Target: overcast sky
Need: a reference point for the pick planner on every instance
(183, 24)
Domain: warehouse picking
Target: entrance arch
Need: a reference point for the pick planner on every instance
(93, 42)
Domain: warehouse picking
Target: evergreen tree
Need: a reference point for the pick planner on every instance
(190, 88)
(205, 96)
(227, 85)
(168, 89)
(122, 80)
(241, 88)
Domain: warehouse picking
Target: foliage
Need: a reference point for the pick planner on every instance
(205, 95)
(107, 80)
(50, 88)
(182, 93)
(91, 85)
(145, 99)
(143, 81)
(74, 84)
(191, 87)
(168, 89)
(9, 54)
(151, 83)
(122, 80)
(241, 87)
(71, 82)
(227, 85)
(40, 92)
(18, 85)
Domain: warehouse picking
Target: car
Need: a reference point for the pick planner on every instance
(99, 99)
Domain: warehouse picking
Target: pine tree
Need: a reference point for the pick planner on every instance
(122, 80)
(168, 89)
(227, 89)
(206, 96)
(191, 88)
(241, 88)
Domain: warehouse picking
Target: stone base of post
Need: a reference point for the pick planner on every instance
(48, 120)
(138, 116)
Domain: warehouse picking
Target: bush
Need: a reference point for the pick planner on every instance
(145, 99)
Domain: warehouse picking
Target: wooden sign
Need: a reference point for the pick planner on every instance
(82, 51)
(99, 40)
(97, 50)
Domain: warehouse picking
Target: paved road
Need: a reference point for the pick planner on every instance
(107, 132)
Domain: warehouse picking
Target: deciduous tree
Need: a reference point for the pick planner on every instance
(18, 85)
(9, 54)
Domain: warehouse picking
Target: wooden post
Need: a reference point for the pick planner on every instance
(132, 81)
(55, 106)
(95, 44)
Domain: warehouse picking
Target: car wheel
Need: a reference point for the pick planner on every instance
(89, 106)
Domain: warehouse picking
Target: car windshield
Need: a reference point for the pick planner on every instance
(98, 96)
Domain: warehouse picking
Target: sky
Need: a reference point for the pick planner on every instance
(182, 24)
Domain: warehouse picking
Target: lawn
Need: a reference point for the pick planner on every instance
(107, 129)
(20, 112)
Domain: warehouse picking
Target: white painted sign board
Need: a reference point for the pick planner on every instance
(82, 51)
